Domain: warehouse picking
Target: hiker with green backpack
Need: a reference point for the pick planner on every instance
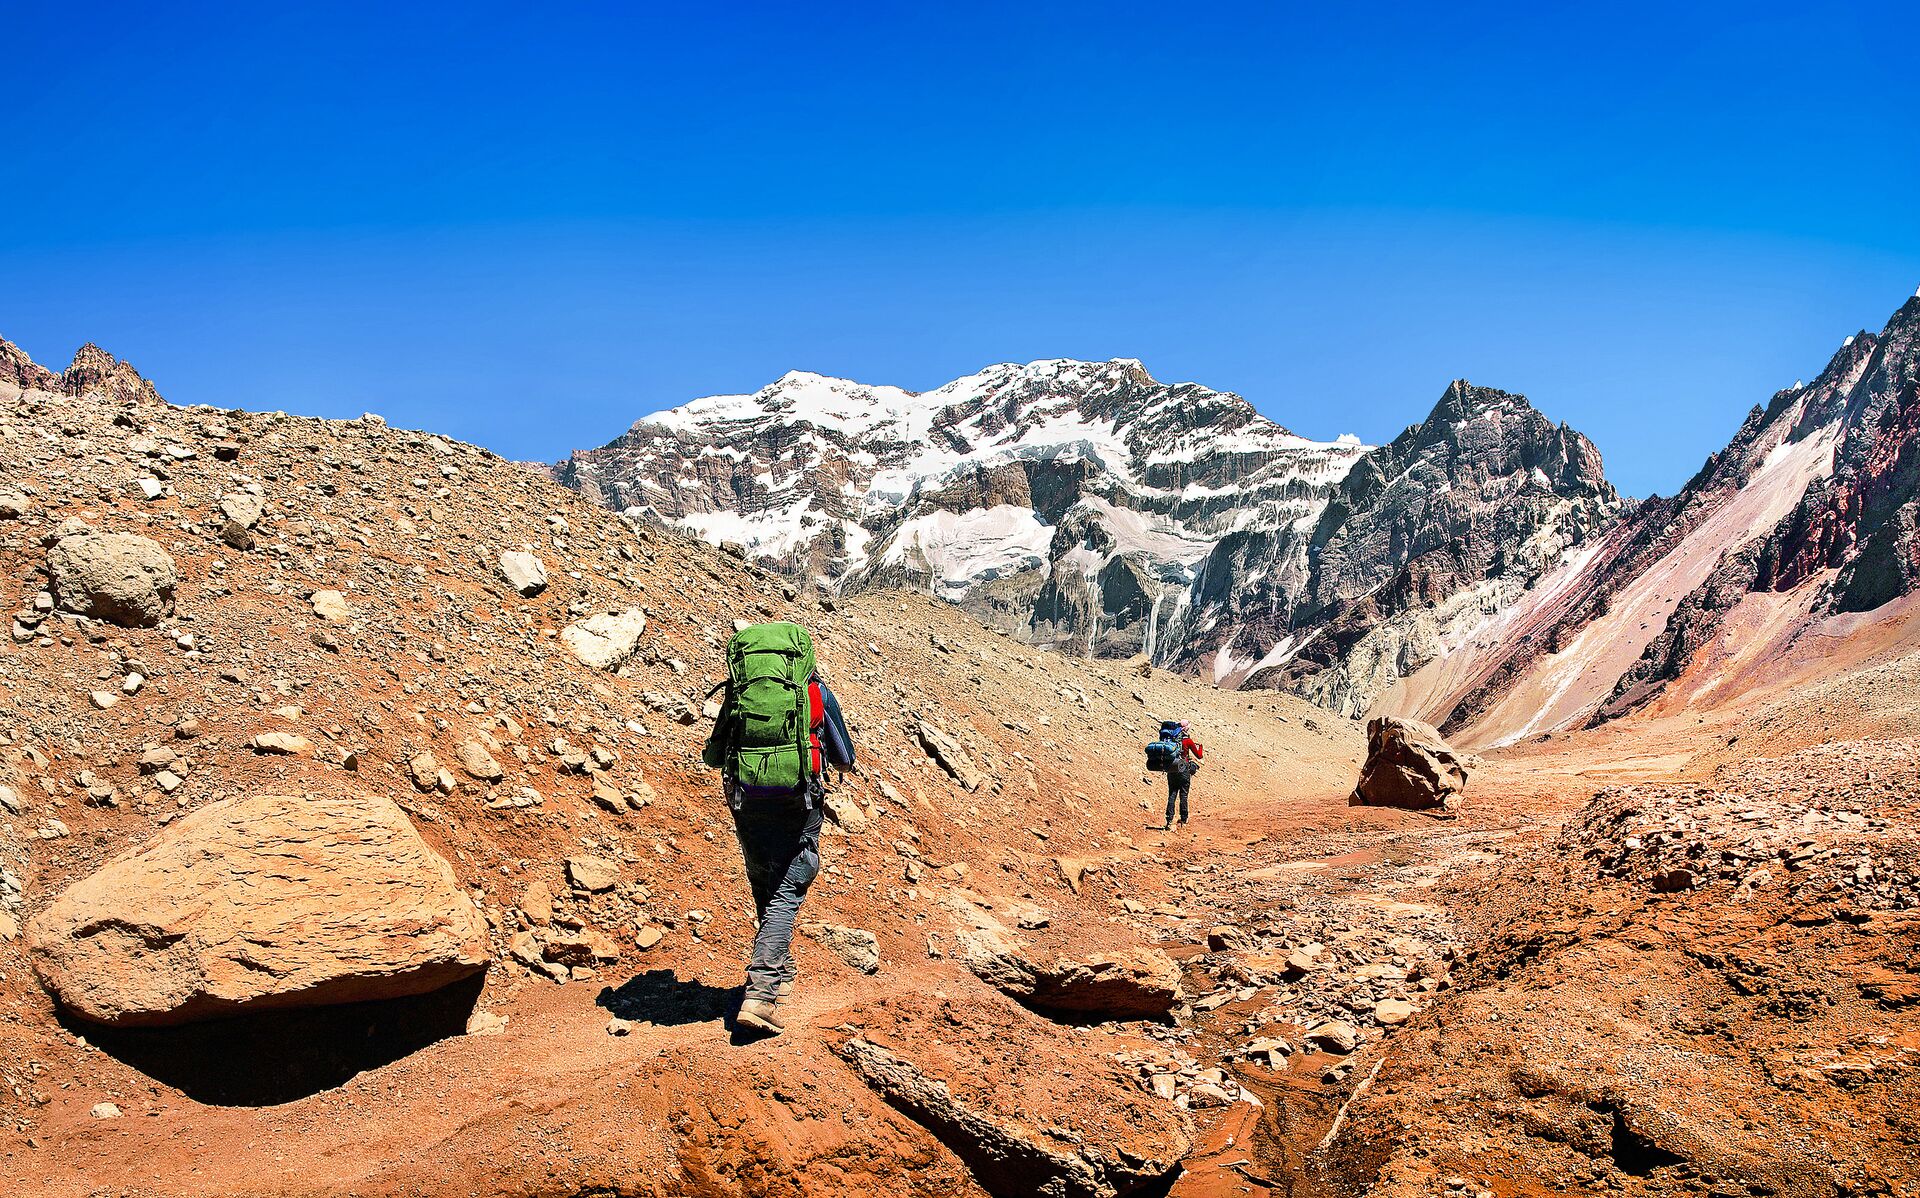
(778, 728)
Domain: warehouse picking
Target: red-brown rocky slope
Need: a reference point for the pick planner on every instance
(338, 621)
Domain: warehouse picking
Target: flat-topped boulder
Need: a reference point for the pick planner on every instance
(261, 902)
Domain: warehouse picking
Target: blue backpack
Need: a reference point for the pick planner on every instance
(1163, 755)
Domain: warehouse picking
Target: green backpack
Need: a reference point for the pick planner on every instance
(762, 738)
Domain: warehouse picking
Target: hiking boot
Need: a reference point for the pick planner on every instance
(759, 1015)
(783, 990)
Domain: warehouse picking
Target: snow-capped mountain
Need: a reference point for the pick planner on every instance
(1067, 502)
(1088, 507)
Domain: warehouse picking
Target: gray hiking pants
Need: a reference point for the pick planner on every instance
(780, 844)
(1178, 784)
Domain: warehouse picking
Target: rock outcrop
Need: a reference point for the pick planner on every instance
(1128, 983)
(1408, 765)
(256, 903)
(1073, 1128)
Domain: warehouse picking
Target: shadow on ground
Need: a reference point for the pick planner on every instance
(661, 997)
(282, 1056)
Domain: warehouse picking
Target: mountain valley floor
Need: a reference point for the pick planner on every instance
(1671, 954)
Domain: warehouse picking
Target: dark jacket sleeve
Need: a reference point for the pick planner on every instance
(834, 739)
(715, 752)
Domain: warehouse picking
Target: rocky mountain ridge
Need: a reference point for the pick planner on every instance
(1090, 508)
(1813, 501)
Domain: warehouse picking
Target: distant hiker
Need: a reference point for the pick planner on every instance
(1177, 755)
(778, 727)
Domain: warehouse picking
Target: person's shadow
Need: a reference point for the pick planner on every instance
(660, 996)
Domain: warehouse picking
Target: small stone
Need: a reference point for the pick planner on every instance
(103, 699)
(424, 771)
(524, 572)
(1303, 960)
(1392, 1011)
(647, 937)
(486, 1023)
(605, 641)
(478, 763)
(592, 874)
(283, 743)
(1227, 937)
(619, 1027)
(1334, 1036)
(845, 812)
(105, 1110)
(858, 947)
(242, 508)
(536, 903)
(331, 606)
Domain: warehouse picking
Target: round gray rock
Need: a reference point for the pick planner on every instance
(113, 576)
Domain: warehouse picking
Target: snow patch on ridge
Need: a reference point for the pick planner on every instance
(963, 548)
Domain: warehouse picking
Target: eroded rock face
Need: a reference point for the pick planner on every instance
(255, 903)
(1073, 1129)
(1408, 765)
(951, 757)
(113, 576)
(1129, 983)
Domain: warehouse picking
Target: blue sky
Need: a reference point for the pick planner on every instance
(529, 225)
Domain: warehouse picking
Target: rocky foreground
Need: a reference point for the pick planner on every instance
(353, 840)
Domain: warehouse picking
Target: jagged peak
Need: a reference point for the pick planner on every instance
(22, 371)
(1463, 401)
(94, 369)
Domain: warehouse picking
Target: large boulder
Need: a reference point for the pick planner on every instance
(1409, 765)
(255, 903)
(113, 576)
(605, 641)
